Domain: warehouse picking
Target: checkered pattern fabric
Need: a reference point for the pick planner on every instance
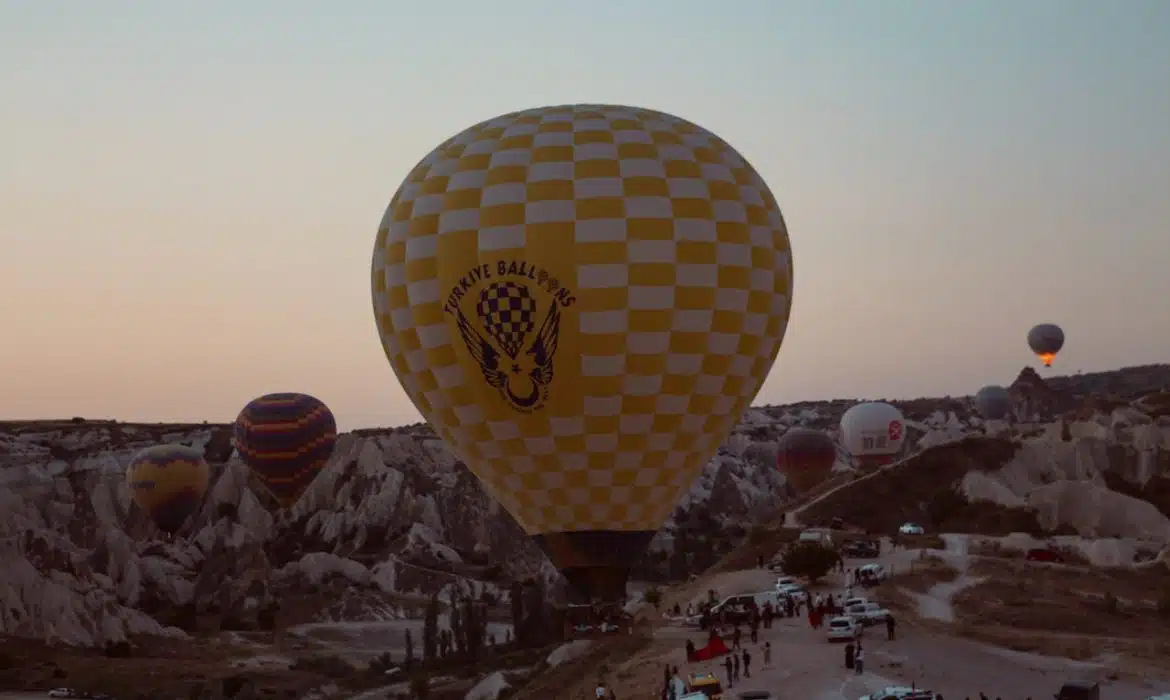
(508, 312)
(659, 270)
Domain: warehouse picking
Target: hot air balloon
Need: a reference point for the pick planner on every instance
(168, 482)
(1046, 340)
(873, 432)
(286, 439)
(582, 300)
(993, 402)
(805, 457)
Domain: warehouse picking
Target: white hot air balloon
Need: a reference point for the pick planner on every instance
(873, 432)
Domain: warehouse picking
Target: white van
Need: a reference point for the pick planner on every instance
(745, 599)
(818, 535)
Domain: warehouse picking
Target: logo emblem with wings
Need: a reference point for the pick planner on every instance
(514, 361)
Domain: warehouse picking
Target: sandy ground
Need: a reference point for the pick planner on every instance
(805, 664)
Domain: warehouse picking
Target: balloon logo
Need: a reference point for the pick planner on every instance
(582, 300)
(873, 433)
(895, 430)
(506, 311)
(286, 440)
(168, 482)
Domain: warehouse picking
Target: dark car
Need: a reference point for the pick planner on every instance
(1044, 554)
(860, 550)
(1079, 690)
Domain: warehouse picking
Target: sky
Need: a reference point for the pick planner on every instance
(189, 191)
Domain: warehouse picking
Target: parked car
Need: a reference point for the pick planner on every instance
(756, 695)
(817, 535)
(911, 529)
(786, 581)
(867, 613)
(870, 573)
(860, 550)
(1079, 690)
(796, 592)
(843, 629)
(1044, 554)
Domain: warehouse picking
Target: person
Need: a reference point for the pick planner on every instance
(677, 687)
(730, 675)
(767, 655)
(890, 627)
(747, 664)
(601, 691)
(735, 637)
(735, 666)
(755, 631)
(859, 660)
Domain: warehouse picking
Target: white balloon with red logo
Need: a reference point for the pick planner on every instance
(873, 432)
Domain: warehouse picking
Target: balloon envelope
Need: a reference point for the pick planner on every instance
(1046, 340)
(993, 402)
(168, 482)
(873, 432)
(286, 439)
(582, 300)
(805, 457)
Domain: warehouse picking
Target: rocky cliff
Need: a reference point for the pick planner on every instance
(396, 516)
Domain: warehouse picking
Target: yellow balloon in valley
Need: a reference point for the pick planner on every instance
(583, 300)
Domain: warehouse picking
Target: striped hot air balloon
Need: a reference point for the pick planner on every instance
(286, 440)
(168, 482)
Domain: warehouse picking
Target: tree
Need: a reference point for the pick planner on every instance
(811, 560)
(431, 629)
(653, 596)
(409, 650)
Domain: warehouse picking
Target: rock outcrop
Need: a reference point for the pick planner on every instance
(396, 517)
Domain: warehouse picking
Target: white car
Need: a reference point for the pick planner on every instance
(843, 629)
(786, 581)
(867, 613)
(870, 572)
(911, 529)
(794, 592)
(899, 692)
(850, 602)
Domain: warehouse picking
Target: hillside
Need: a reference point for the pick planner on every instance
(396, 517)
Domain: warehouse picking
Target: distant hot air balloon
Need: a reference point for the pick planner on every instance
(168, 482)
(873, 432)
(993, 402)
(582, 300)
(286, 439)
(805, 457)
(1046, 340)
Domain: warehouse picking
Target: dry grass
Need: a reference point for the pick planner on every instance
(1067, 611)
(921, 489)
(920, 541)
(923, 574)
(995, 549)
(622, 660)
(764, 541)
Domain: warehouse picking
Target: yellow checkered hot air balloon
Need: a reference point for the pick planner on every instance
(168, 482)
(582, 300)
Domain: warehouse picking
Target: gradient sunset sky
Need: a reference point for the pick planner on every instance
(189, 191)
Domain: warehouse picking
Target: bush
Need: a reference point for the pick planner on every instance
(810, 560)
(653, 596)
